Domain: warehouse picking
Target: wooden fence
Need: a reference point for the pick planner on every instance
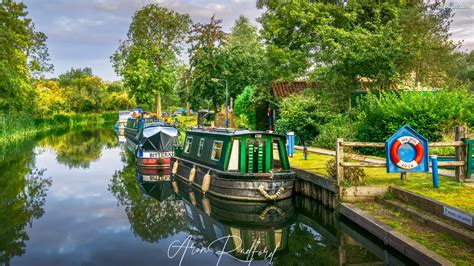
(461, 158)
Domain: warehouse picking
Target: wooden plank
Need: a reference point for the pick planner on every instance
(393, 238)
(445, 144)
(362, 164)
(363, 144)
(319, 180)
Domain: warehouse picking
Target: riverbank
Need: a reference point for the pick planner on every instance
(449, 191)
(19, 126)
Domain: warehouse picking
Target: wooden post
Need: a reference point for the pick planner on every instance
(339, 160)
(404, 176)
(460, 135)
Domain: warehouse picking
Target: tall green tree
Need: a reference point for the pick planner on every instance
(207, 63)
(147, 59)
(23, 54)
(384, 41)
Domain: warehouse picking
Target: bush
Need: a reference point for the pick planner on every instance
(305, 114)
(341, 126)
(432, 114)
(245, 110)
(350, 173)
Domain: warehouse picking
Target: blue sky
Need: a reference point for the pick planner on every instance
(84, 33)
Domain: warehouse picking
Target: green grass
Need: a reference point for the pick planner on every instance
(453, 249)
(450, 192)
(14, 127)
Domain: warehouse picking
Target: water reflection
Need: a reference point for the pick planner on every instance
(77, 149)
(150, 219)
(100, 209)
(22, 196)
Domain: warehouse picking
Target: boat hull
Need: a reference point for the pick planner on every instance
(247, 187)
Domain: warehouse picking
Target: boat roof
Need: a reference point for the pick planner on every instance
(230, 131)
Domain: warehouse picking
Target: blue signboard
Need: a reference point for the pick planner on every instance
(407, 151)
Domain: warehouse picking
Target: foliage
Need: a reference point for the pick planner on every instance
(385, 42)
(432, 114)
(237, 58)
(23, 55)
(147, 59)
(341, 126)
(245, 109)
(304, 114)
(350, 173)
(207, 63)
(20, 125)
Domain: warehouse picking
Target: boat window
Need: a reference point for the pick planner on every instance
(201, 146)
(216, 150)
(276, 155)
(187, 144)
(234, 156)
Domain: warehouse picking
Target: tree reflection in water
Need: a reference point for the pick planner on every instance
(77, 149)
(149, 218)
(22, 196)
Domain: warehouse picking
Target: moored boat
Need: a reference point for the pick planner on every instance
(123, 116)
(153, 141)
(247, 230)
(235, 164)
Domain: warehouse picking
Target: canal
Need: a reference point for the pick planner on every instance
(73, 198)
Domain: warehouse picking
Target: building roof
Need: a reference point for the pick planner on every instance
(284, 89)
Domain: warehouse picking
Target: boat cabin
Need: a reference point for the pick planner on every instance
(239, 151)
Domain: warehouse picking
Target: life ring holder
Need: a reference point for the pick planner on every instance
(418, 148)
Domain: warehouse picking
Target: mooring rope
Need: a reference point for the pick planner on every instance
(263, 215)
(275, 196)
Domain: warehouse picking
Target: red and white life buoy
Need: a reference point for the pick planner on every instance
(419, 152)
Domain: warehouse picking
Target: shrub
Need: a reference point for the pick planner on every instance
(304, 114)
(432, 114)
(350, 173)
(342, 126)
(245, 110)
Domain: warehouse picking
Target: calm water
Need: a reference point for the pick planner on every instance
(72, 198)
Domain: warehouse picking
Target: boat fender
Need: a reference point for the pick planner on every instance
(175, 167)
(206, 182)
(206, 205)
(175, 187)
(192, 174)
(192, 197)
(265, 194)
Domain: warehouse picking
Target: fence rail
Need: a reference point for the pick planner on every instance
(463, 155)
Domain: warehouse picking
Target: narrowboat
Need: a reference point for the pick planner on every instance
(247, 230)
(235, 164)
(123, 116)
(153, 141)
(161, 190)
(152, 175)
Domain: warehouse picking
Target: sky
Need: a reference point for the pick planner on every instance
(85, 33)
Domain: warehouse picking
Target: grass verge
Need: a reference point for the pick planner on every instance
(454, 250)
(450, 192)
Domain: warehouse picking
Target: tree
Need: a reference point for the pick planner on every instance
(206, 62)
(238, 58)
(339, 44)
(147, 59)
(23, 54)
(84, 91)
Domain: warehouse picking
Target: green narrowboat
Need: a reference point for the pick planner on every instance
(235, 164)
(247, 230)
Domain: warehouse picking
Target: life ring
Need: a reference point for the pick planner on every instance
(419, 152)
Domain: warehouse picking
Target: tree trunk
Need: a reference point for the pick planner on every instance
(158, 104)
(188, 108)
